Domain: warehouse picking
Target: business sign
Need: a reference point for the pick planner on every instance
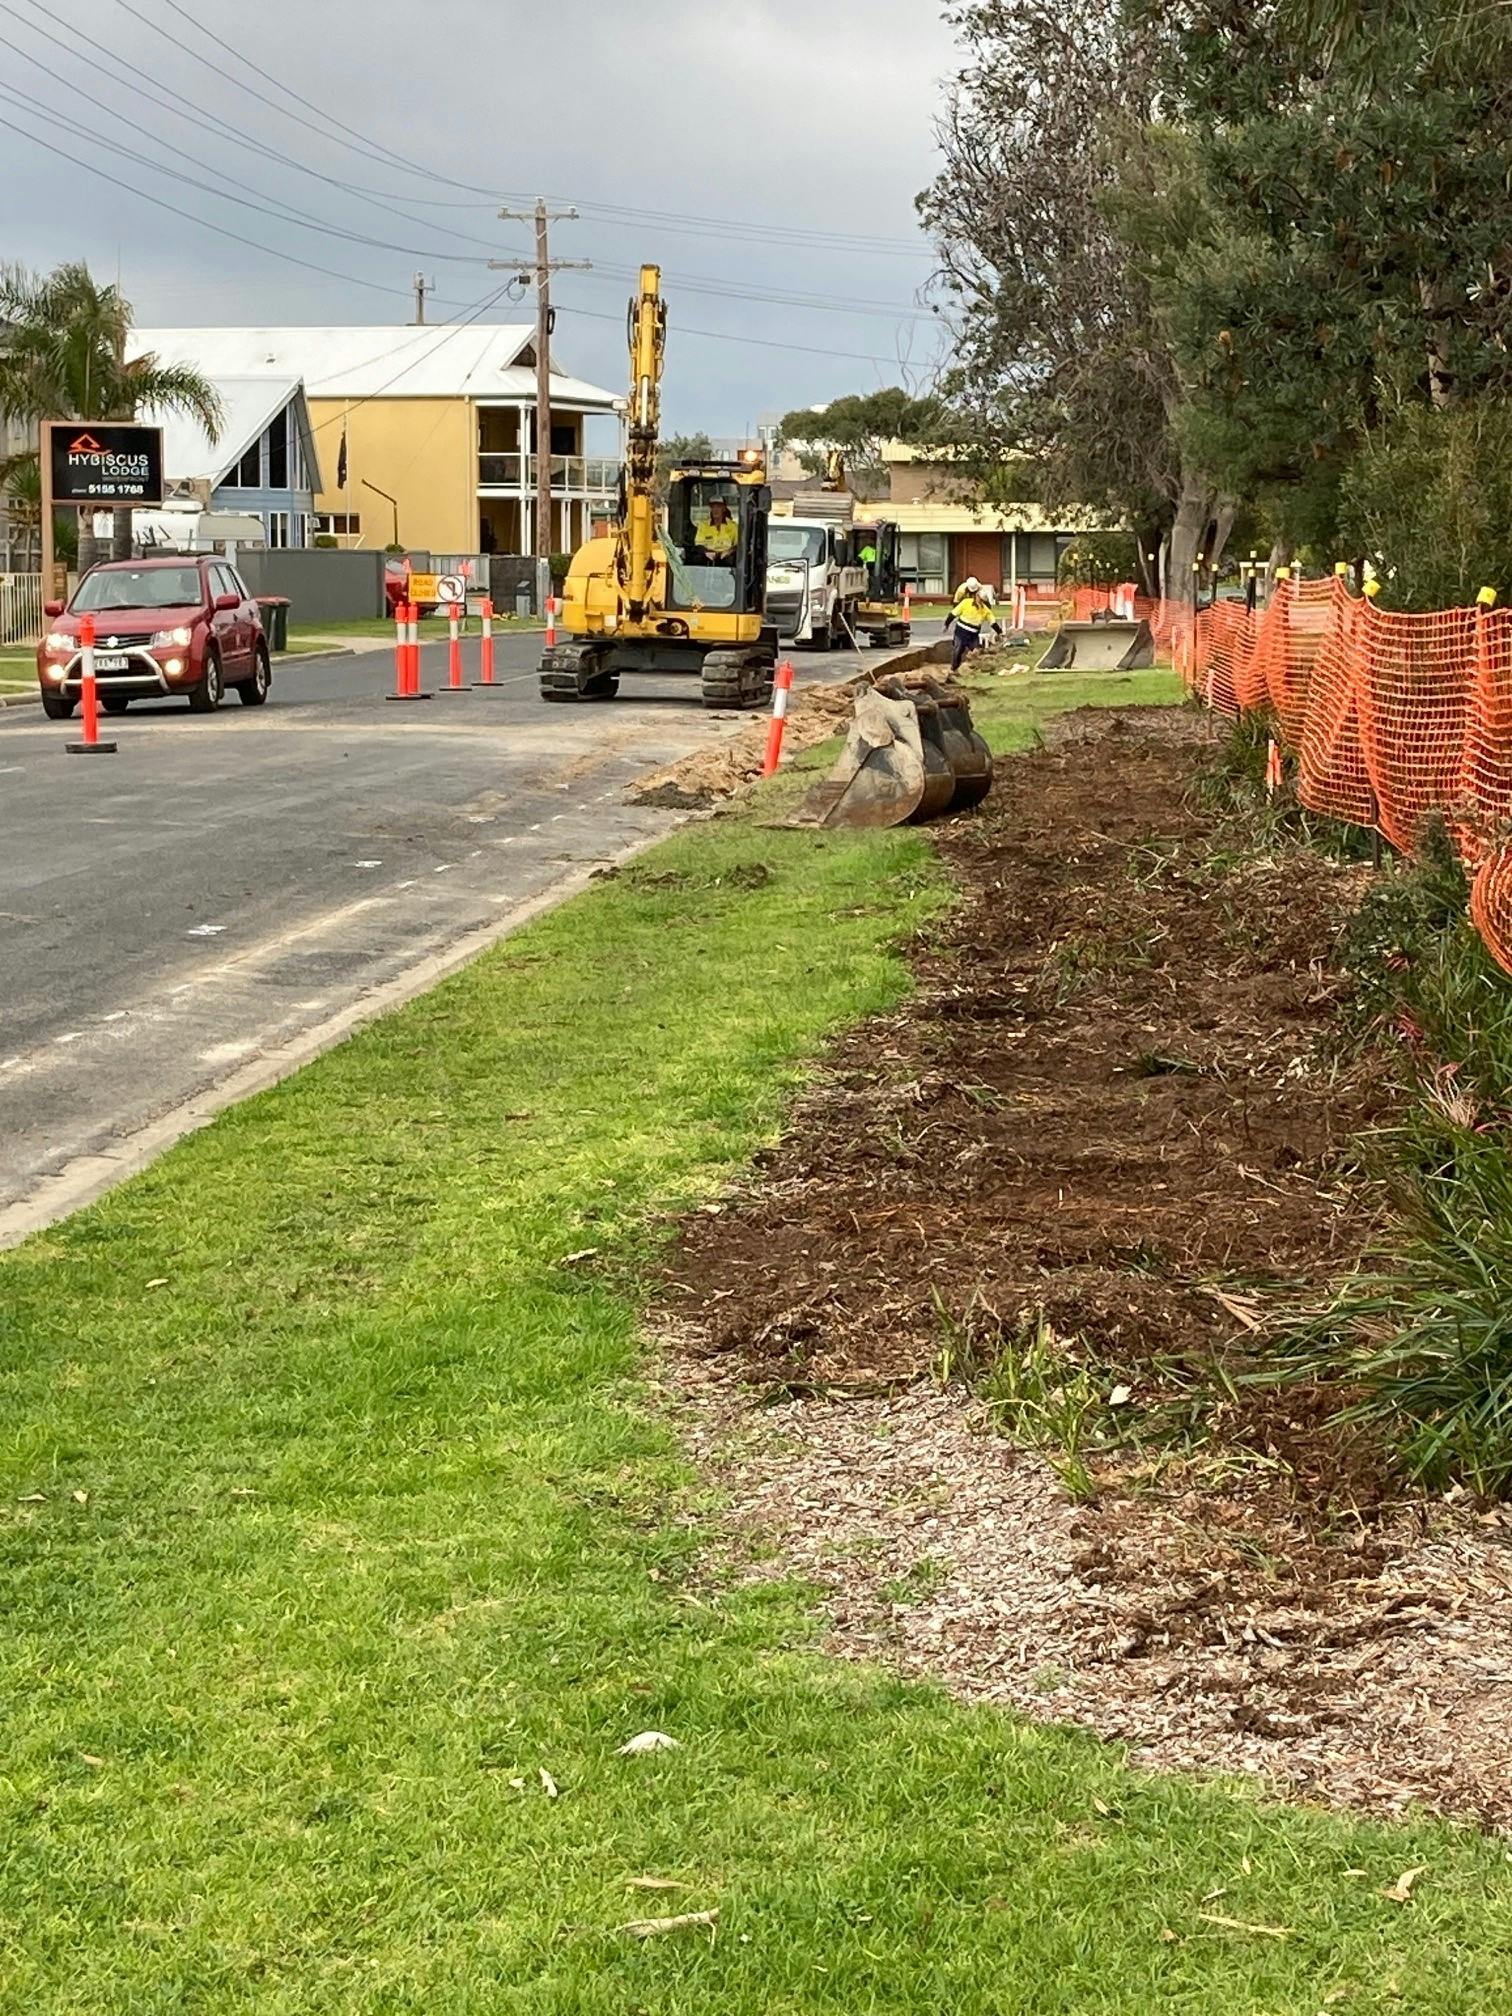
(105, 462)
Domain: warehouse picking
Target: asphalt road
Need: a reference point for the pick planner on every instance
(225, 887)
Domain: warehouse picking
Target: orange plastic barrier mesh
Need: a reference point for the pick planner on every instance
(1391, 718)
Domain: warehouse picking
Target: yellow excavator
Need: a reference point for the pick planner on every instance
(685, 595)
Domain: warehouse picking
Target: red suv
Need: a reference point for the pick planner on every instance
(185, 625)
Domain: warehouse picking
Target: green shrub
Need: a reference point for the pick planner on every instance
(1422, 1335)
(1430, 498)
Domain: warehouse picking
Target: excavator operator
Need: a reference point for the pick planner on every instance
(716, 537)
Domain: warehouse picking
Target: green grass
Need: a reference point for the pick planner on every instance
(433, 630)
(333, 1515)
(1010, 710)
(18, 671)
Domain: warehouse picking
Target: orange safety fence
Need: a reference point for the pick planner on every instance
(1390, 718)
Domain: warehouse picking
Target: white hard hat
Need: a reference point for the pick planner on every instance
(971, 584)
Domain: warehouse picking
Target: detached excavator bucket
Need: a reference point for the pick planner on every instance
(880, 775)
(1106, 644)
(909, 756)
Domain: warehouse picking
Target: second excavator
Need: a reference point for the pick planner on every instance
(687, 594)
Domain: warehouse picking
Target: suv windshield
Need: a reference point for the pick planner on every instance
(137, 588)
(794, 542)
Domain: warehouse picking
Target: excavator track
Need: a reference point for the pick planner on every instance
(574, 672)
(738, 678)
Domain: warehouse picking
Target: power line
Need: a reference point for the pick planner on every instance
(450, 329)
(377, 150)
(179, 110)
(248, 196)
(281, 213)
(759, 342)
(189, 217)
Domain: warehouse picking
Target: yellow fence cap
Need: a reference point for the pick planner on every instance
(1487, 598)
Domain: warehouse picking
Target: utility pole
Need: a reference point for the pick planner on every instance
(545, 266)
(422, 288)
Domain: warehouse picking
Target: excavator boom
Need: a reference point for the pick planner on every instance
(648, 342)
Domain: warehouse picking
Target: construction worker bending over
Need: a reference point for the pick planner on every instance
(972, 616)
(715, 539)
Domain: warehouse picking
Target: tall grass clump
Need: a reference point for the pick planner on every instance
(1422, 1335)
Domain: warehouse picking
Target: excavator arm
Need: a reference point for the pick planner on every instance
(636, 559)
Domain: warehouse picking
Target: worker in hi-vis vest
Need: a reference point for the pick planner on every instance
(974, 614)
(717, 536)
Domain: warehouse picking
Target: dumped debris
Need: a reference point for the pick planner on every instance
(1104, 1137)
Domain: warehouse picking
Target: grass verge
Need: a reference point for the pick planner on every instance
(380, 630)
(342, 1556)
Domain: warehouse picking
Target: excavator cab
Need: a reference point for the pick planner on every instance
(882, 617)
(715, 538)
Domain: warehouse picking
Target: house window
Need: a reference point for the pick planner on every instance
(278, 452)
(922, 560)
(248, 473)
(1038, 553)
(278, 528)
(342, 524)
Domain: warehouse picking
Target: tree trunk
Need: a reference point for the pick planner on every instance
(1223, 526)
(1194, 508)
(120, 535)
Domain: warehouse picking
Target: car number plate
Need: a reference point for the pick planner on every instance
(111, 661)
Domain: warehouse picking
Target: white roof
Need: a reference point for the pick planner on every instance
(439, 361)
(248, 405)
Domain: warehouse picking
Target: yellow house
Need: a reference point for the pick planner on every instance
(438, 423)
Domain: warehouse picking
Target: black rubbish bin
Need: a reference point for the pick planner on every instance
(275, 616)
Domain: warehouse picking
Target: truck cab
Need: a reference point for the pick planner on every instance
(815, 580)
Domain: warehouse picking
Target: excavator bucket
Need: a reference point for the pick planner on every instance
(911, 755)
(1106, 644)
(880, 776)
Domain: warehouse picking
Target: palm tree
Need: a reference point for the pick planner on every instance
(63, 357)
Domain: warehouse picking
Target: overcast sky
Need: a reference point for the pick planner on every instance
(806, 124)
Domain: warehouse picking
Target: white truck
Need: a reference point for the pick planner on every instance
(816, 581)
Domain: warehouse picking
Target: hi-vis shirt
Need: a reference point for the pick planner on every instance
(971, 613)
(717, 539)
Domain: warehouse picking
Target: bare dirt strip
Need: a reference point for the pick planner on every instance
(1115, 1125)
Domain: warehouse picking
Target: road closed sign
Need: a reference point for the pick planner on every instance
(424, 588)
(104, 463)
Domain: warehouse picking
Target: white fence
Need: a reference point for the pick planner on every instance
(20, 608)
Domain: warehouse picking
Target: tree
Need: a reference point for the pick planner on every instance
(857, 428)
(63, 356)
(1345, 307)
(1062, 351)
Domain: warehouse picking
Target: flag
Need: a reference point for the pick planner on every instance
(341, 466)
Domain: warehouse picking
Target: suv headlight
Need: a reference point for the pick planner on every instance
(59, 645)
(162, 639)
